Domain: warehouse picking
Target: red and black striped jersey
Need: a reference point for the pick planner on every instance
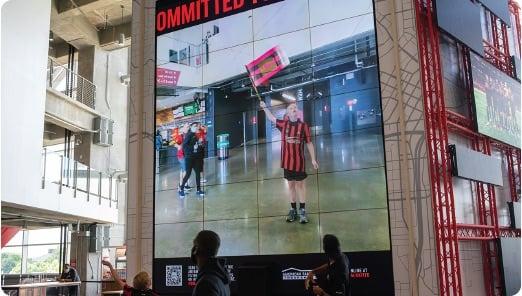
(293, 137)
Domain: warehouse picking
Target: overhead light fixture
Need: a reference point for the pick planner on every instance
(121, 37)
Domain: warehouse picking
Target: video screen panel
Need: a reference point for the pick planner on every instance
(461, 19)
(497, 102)
(315, 64)
(500, 8)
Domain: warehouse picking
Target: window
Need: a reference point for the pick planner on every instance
(42, 249)
(11, 260)
(43, 259)
(44, 236)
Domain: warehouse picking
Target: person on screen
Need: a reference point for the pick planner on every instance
(158, 141)
(213, 278)
(294, 133)
(141, 283)
(202, 135)
(177, 138)
(194, 152)
(333, 277)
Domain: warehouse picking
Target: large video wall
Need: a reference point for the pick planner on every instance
(331, 82)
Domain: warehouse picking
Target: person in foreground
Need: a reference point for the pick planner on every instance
(212, 279)
(70, 274)
(333, 278)
(141, 283)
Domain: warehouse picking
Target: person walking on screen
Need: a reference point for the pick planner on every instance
(194, 152)
(177, 138)
(294, 134)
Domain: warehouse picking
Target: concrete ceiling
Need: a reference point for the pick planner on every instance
(35, 219)
(83, 23)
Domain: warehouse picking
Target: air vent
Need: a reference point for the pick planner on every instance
(104, 129)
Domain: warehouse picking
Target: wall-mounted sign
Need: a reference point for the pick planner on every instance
(175, 16)
(166, 77)
(190, 108)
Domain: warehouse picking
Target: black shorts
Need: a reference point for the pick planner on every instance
(295, 176)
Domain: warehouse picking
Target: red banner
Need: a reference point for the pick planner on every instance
(166, 77)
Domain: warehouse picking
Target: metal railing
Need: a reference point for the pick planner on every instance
(82, 179)
(62, 79)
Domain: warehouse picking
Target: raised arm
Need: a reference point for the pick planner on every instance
(114, 273)
(269, 114)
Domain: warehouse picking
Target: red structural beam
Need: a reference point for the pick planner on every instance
(509, 232)
(514, 9)
(8, 232)
(437, 141)
(497, 49)
(475, 232)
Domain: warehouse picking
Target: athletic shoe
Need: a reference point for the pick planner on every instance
(200, 193)
(181, 194)
(188, 187)
(204, 181)
(292, 215)
(302, 216)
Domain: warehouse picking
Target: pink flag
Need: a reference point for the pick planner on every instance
(267, 65)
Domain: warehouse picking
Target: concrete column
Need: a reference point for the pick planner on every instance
(141, 136)
(82, 150)
(86, 62)
(88, 264)
(25, 241)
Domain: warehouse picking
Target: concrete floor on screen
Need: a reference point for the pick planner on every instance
(246, 200)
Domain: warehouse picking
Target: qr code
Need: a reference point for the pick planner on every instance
(174, 276)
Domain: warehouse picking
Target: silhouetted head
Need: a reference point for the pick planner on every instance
(331, 246)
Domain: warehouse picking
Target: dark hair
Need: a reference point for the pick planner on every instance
(331, 245)
(207, 243)
(194, 123)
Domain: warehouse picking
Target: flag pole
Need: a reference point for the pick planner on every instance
(254, 86)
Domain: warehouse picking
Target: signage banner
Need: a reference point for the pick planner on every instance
(186, 13)
(166, 77)
(369, 272)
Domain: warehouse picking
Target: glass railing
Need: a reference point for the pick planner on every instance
(85, 181)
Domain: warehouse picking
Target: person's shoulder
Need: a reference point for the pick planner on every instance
(207, 285)
(127, 288)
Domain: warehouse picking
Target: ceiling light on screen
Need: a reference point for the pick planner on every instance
(288, 97)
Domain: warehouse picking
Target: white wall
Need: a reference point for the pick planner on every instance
(115, 107)
(25, 38)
